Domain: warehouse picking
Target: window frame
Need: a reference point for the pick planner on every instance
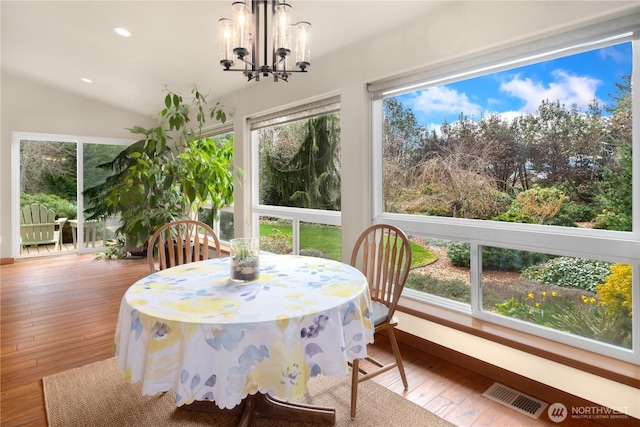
(603, 245)
(308, 110)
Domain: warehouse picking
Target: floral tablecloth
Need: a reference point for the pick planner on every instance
(191, 329)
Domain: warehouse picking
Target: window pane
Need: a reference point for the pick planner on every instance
(275, 235)
(321, 240)
(226, 226)
(300, 163)
(98, 233)
(547, 143)
(441, 268)
(583, 297)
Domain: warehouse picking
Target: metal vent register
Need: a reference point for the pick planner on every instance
(515, 400)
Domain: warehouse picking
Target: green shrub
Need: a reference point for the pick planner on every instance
(451, 289)
(562, 219)
(313, 252)
(62, 208)
(615, 292)
(586, 319)
(608, 220)
(570, 272)
(495, 258)
(277, 243)
(577, 212)
(568, 215)
(512, 216)
(459, 254)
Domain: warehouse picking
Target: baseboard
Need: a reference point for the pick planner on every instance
(518, 382)
(4, 261)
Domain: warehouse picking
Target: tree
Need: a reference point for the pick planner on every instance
(48, 167)
(456, 183)
(277, 146)
(550, 141)
(311, 178)
(616, 192)
(402, 134)
(501, 145)
(621, 125)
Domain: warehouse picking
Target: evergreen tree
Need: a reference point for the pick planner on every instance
(311, 179)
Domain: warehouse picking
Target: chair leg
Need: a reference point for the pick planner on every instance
(354, 386)
(398, 356)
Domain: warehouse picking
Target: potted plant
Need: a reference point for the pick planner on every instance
(168, 174)
(245, 259)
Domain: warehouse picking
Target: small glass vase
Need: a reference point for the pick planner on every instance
(244, 262)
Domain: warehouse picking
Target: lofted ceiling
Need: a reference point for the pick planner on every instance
(173, 43)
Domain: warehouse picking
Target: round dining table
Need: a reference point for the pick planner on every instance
(247, 346)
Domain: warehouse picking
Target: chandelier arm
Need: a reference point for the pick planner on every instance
(247, 62)
(275, 64)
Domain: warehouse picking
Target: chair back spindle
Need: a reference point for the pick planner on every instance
(180, 242)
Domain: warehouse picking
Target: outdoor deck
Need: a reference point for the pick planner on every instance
(65, 248)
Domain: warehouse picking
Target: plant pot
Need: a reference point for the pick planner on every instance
(136, 251)
(244, 263)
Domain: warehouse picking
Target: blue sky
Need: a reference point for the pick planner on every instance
(576, 79)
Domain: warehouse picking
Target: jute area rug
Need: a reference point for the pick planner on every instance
(97, 395)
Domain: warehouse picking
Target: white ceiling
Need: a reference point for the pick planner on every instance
(174, 43)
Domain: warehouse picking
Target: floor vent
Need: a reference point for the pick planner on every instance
(515, 400)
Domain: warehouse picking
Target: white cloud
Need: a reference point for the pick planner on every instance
(565, 87)
(442, 100)
(616, 55)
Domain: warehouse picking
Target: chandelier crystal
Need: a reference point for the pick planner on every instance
(241, 36)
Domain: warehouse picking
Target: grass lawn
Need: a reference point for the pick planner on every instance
(327, 239)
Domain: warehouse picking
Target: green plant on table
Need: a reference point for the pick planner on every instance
(245, 260)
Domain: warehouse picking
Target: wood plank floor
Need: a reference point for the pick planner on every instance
(65, 249)
(60, 312)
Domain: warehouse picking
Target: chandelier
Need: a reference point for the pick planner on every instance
(240, 38)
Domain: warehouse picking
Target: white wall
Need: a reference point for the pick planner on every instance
(31, 107)
(460, 29)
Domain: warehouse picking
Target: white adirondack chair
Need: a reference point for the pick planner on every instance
(38, 226)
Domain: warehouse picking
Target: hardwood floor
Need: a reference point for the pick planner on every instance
(65, 249)
(60, 312)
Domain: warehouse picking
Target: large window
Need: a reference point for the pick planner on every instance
(296, 166)
(517, 172)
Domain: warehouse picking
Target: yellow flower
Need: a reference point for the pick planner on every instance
(530, 295)
(584, 299)
(554, 294)
(544, 294)
(592, 300)
(537, 305)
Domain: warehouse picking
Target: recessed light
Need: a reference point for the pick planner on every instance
(122, 31)
(86, 80)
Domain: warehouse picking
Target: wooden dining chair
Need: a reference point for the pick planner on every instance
(181, 242)
(383, 254)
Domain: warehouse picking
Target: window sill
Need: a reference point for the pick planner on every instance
(593, 363)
